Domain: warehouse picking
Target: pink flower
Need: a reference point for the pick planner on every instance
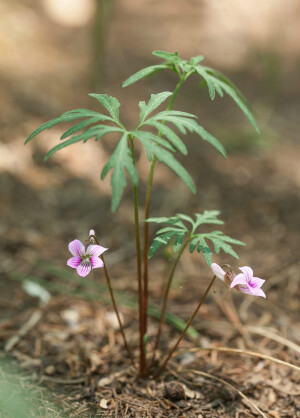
(85, 259)
(248, 284)
(243, 282)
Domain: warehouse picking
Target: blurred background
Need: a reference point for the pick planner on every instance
(55, 52)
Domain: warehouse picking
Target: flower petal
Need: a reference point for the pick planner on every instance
(218, 271)
(239, 279)
(96, 262)
(248, 272)
(76, 248)
(74, 262)
(256, 282)
(258, 292)
(83, 269)
(244, 290)
(95, 250)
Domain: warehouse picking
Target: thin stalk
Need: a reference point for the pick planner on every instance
(147, 209)
(116, 311)
(166, 294)
(158, 372)
(139, 269)
(108, 282)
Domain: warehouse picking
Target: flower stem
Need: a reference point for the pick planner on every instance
(163, 365)
(108, 282)
(147, 209)
(139, 270)
(166, 294)
(116, 311)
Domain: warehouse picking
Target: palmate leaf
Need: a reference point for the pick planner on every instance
(160, 241)
(68, 117)
(167, 132)
(110, 103)
(210, 84)
(219, 241)
(120, 159)
(197, 241)
(167, 56)
(94, 131)
(186, 123)
(167, 158)
(215, 80)
(223, 84)
(152, 69)
(155, 101)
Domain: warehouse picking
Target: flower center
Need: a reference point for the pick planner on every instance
(85, 260)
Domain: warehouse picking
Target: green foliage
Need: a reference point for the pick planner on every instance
(154, 102)
(145, 72)
(120, 159)
(215, 81)
(177, 228)
(183, 122)
(154, 147)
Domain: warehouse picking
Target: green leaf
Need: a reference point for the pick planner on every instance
(167, 158)
(174, 113)
(178, 241)
(193, 245)
(168, 56)
(196, 60)
(171, 228)
(119, 160)
(160, 241)
(208, 217)
(171, 135)
(148, 136)
(172, 221)
(206, 251)
(110, 103)
(83, 124)
(65, 117)
(155, 101)
(97, 131)
(221, 82)
(244, 108)
(211, 87)
(143, 73)
(185, 123)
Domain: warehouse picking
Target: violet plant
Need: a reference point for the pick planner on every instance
(184, 231)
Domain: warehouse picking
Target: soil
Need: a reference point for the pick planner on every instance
(66, 357)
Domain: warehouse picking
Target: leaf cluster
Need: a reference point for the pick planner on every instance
(163, 145)
(215, 81)
(184, 229)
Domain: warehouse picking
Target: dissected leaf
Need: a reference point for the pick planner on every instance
(110, 103)
(167, 158)
(159, 241)
(155, 101)
(184, 123)
(168, 56)
(197, 240)
(67, 117)
(148, 136)
(211, 87)
(167, 132)
(152, 69)
(120, 159)
(97, 131)
(79, 126)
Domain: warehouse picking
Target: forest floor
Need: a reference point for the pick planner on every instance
(66, 357)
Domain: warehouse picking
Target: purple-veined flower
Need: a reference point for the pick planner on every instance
(244, 282)
(85, 259)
